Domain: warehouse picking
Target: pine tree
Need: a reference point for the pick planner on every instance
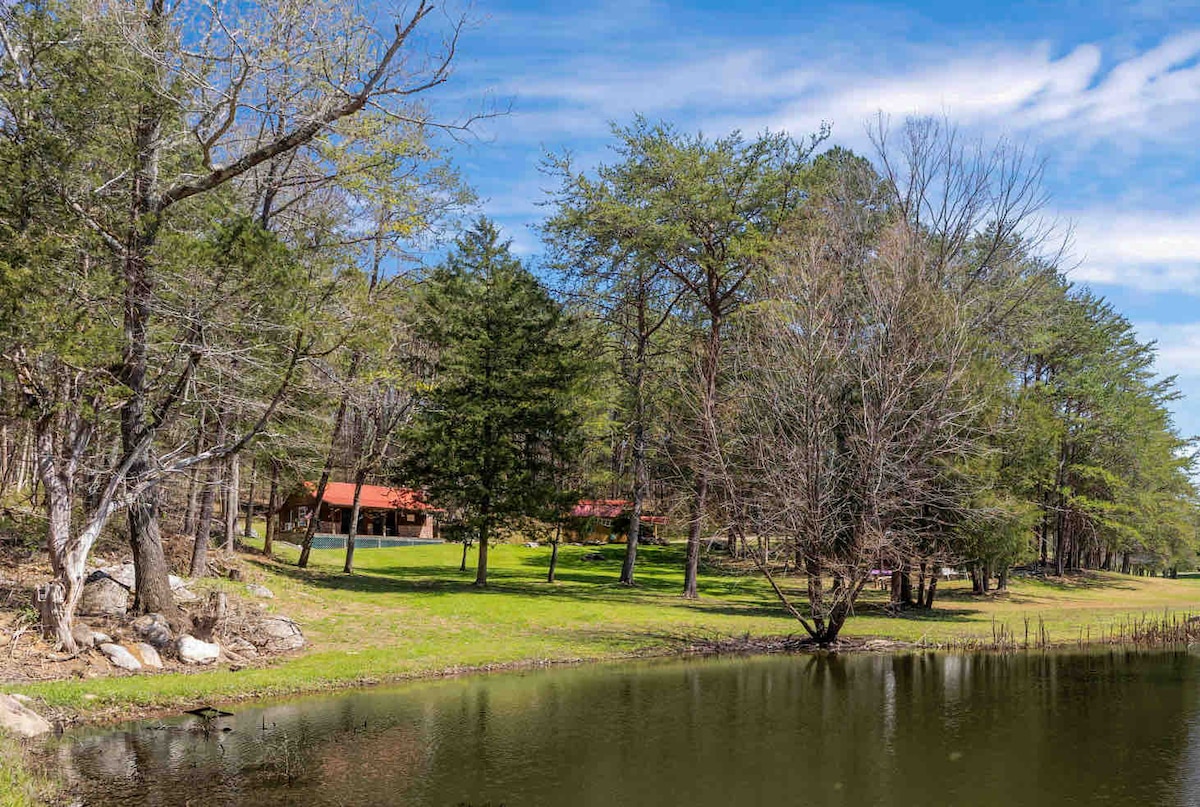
(500, 417)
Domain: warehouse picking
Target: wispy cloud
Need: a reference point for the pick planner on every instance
(1178, 347)
(1152, 252)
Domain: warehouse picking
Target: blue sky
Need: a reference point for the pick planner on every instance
(1108, 94)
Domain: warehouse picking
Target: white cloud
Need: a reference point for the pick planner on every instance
(1155, 92)
(1178, 347)
(1146, 251)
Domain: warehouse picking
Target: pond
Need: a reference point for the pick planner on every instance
(937, 729)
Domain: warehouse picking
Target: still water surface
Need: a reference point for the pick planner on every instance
(1055, 729)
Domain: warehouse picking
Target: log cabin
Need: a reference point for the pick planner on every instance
(607, 521)
(387, 516)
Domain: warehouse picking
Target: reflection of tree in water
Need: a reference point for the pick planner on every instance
(989, 730)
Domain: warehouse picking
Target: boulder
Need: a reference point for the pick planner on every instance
(103, 596)
(154, 630)
(120, 657)
(275, 634)
(20, 720)
(147, 654)
(100, 638)
(176, 582)
(193, 651)
(125, 574)
(83, 635)
(260, 591)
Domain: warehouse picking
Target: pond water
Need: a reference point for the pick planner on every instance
(932, 729)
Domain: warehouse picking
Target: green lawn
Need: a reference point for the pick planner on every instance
(409, 611)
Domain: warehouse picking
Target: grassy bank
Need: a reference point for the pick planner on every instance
(22, 784)
(410, 612)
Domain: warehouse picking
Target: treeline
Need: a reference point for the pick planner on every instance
(831, 364)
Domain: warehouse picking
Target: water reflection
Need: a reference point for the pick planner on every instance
(1113, 728)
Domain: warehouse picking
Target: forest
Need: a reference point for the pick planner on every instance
(235, 257)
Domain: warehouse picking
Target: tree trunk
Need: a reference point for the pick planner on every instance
(1126, 563)
(339, 422)
(359, 477)
(635, 515)
(232, 508)
(708, 404)
(906, 594)
(931, 592)
(248, 530)
(481, 569)
(1002, 579)
(921, 585)
(203, 536)
(272, 506)
(554, 552)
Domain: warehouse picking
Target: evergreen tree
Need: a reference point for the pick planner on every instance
(500, 417)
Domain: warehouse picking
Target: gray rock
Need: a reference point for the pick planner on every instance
(243, 648)
(193, 651)
(176, 582)
(120, 657)
(276, 634)
(103, 596)
(260, 591)
(147, 655)
(20, 720)
(125, 574)
(83, 635)
(153, 629)
(100, 638)
(184, 595)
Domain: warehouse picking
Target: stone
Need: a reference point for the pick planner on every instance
(242, 647)
(260, 591)
(100, 638)
(18, 719)
(193, 651)
(154, 630)
(125, 574)
(103, 596)
(184, 595)
(120, 657)
(83, 635)
(176, 582)
(147, 654)
(594, 556)
(276, 634)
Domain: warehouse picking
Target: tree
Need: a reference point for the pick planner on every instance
(499, 417)
(862, 382)
(702, 212)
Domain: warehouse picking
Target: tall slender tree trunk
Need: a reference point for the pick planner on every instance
(462, 567)
(339, 424)
(153, 590)
(708, 404)
(203, 535)
(554, 552)
(232, 497)
(272, 507)
(481, 566)
(640, 484)
(248, 529)
(360, 476)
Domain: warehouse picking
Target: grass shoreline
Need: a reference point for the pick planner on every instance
(409, 614)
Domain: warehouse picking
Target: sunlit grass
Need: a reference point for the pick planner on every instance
(409, 612)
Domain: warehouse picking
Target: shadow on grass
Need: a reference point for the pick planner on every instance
(576, 581)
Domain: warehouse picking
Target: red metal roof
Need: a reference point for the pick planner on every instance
(377, 497)
(610, 508)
